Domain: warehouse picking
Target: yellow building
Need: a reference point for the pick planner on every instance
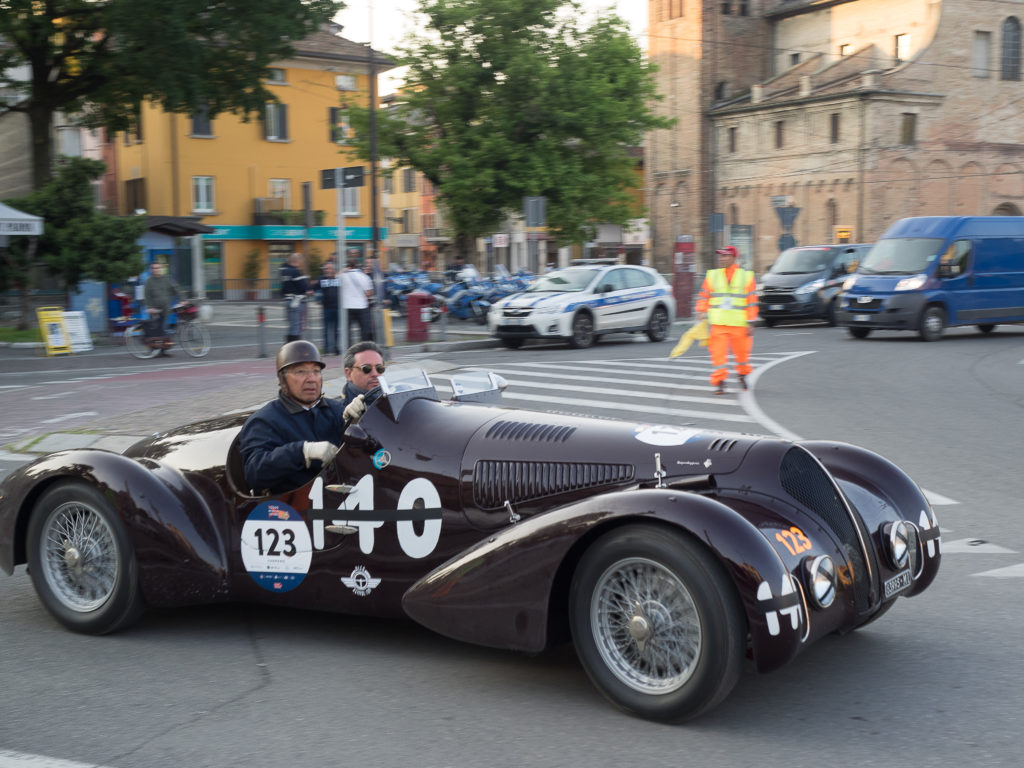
(251, 181)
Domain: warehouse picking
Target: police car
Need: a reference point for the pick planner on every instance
(579, 303)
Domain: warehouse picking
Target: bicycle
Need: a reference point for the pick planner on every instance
(183, 323)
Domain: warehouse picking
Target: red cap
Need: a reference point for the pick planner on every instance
(728, 250)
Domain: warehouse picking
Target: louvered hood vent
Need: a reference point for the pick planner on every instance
(519, 482)
(518, 430)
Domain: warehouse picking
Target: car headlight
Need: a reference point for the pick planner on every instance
(849, 282)
(911, 283)
(820, 576)
(545, 310)
(810, 287)
(896, 542)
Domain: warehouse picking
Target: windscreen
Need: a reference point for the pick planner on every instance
(801, 261)
(563, 280)
(901, 256)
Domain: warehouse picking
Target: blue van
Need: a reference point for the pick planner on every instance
(930, 272)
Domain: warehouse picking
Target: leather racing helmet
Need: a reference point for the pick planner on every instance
(301, 351)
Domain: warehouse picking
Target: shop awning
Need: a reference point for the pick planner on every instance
(15, 222)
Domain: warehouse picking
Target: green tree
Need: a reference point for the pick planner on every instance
(102, 58)
(513, 98)
(78, 242)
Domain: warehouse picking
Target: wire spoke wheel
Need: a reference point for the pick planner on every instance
(79, 557)
(646, 625)
(194, 338)
(135, 340)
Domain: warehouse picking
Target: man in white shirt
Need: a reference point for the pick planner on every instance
(358, 288)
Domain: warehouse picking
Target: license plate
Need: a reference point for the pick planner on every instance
(861, 318)
(896, 584)
(513, 321)
(776, 307)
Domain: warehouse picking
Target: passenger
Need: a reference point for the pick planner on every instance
(289, 440)
(364, 365)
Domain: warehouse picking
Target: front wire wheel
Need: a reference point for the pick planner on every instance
(135, 340)
(81, 561)
(194, 338)
(657, 623)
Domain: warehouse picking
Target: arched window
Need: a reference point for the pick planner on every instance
(1010, 69)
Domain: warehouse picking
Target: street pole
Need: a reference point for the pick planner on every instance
(339, 193)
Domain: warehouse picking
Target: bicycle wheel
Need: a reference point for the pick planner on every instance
(135, 340)
(194, 338)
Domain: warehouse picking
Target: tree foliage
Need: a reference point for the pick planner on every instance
(78, 241)
(513, 98)
(103, 58)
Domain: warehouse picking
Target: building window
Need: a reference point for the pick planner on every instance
(69, 141)
(135, 195)
(345, 82)
(720, 91)
(1010, 69)
(350, 200)
(901, 48)
(275, 75)
(908, 129)
(732, 140)
(387, 183)
(726, 7)
(202, 194)
(133, 134)
(794, 59)
(409, 219)
(675, 9)
(408, 179)
(834, 128)
(780, 135)
(282, 190)
(337, 120)
(845, 49)
(201, 123)
(744, 7)
(275, 122)
(981, 54)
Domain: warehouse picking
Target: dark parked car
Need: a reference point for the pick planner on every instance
(667, 555)
(803, 282)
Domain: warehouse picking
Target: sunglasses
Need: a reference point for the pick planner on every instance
(367, 368)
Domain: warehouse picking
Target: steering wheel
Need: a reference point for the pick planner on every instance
(370, 397)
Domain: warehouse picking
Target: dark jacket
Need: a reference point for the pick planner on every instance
(349, 393)
(328, 286)
(159, 292)
(292, 281)
(271, 442)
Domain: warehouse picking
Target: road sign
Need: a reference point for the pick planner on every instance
(786, 240)
(780, 201)
(787, 215)
(535, 211)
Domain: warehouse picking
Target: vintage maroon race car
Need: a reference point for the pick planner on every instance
(668, 555)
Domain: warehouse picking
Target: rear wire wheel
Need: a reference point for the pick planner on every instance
(135, 340)
(657, 623)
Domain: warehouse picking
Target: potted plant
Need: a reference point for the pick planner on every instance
(251, 273)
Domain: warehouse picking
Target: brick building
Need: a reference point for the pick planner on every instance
(855, 112)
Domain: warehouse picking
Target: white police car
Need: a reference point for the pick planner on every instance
(580, 303)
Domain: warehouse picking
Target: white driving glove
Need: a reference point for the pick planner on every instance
(354, 411)
(323, 450)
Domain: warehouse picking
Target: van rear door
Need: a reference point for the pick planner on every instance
(996, 282)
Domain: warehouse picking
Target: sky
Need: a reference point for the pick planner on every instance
(390, 22)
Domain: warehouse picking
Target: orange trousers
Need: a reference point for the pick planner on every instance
(720, 340)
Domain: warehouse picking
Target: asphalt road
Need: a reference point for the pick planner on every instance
(936, 682)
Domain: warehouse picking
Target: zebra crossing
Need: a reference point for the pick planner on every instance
(674, 392)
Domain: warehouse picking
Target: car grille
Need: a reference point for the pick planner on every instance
(516, 312)
(855, 305)
(518, 430)
(807, 482)
(495, 482)
(777, 296)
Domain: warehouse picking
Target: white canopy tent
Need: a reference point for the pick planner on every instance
(15, 222)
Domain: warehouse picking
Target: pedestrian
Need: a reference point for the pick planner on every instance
(159, 293)
(328, 285)
(294, 289)
(364, 365)
(358, 289)
(728, 299)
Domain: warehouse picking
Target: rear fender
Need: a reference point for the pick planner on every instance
(499, 593)
(178, 544)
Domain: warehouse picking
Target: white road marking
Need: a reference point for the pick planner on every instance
(54, 396)
(67, 416)
(973, 546)
(1010, 572)
(23, 760)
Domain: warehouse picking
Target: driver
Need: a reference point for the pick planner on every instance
(289, 440)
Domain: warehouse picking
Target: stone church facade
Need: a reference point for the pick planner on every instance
(846, 114)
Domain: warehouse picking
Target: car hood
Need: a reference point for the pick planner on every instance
(869, 284)
(783, 280)
(539, 300)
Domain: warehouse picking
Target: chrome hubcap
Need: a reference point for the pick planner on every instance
(79, 557)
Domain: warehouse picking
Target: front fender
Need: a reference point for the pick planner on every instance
(499, 592)
(178, 544)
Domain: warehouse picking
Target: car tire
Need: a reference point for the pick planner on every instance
(830, 314)
(81, 561)
(767, 322)
(933, 323)
(859, 333)
(582, 335)
(512, 343)
(657, 326)
(987, 327)
(657, 623)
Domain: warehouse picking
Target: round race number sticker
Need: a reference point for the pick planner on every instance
(276, 547)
